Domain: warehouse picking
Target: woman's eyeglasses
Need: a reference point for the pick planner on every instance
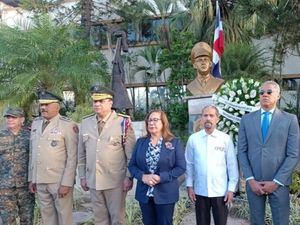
(154, 120)
(269, 91)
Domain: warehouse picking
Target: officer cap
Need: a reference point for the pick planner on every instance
(46, 97)
(14, 111)
(100, 93)
(201, 49)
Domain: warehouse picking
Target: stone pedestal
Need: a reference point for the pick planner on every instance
(195, 106)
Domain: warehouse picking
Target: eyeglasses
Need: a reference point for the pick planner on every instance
(269, 91)
(154, 120)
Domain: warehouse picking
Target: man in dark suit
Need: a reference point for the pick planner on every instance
(268, 151)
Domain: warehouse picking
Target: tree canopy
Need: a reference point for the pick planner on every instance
(50, 57)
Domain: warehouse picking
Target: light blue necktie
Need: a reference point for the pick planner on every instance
(265, 125)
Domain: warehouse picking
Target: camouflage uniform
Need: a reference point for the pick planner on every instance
(15, 199)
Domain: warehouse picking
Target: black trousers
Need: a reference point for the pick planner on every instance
(204, 206)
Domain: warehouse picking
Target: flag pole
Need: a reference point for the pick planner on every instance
(218, 45)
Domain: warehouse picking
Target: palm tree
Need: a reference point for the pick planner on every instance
(278, 19)
(133, 15)
(152, 72)
(47, 56)
(162, 9)
(244, 60)
(197, 18)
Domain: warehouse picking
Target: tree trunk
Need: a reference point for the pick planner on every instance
(86, 16)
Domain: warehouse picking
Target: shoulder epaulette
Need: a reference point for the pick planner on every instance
(37, 118)
(88, 116)
(64, 118)
(123, 115)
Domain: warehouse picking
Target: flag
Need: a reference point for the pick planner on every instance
(218, 46)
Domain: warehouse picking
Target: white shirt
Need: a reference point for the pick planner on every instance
(211, 164)
(270, 116)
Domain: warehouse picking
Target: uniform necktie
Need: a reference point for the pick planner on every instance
(100, 126)
(265, 124)
(45, 124)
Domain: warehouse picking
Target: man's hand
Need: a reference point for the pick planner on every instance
(191, 194)
(256, 187)
(83, 184)
(269, 187)
(228, 199)
(127, 184)
(32, 187)
(63, 191)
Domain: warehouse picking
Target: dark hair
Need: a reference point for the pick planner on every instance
(166, 132)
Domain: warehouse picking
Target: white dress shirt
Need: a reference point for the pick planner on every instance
(211, 164)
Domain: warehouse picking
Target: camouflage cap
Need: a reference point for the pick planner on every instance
(14, 112)
(46, 97)
(100, 93)
(201, 49)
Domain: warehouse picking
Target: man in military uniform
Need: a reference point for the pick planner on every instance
(204, 83)
(106, 142)
(15, 199)
(53, 161)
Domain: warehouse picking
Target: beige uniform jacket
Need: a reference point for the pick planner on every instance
(102, 160)
(53, 153)
(212, 86)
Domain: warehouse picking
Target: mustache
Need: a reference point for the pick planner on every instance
(207, 124)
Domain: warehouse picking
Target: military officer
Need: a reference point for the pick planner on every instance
(204, 83)
(53, 161)
(106, 142)
(15, 199)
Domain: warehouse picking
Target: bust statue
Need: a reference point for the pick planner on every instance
(204, 83)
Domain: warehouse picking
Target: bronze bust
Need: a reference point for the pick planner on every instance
(204, 83)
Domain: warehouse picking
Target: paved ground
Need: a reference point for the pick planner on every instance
(189, 219)
(86, 211)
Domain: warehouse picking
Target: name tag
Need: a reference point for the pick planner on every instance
(219, 148)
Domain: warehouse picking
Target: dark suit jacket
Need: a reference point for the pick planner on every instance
(170, 166)
(278, 155)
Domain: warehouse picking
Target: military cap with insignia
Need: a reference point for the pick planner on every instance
(100, 93)
(14, 112)
(201, 49)
(46, 97)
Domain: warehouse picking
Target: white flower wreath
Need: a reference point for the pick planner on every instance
(234, 99)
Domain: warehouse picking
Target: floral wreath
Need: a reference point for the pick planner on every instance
(234, 99)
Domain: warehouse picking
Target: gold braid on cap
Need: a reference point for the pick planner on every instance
(101, 96)
(47, 101)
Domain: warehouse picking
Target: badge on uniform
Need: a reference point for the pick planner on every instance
(53, 143)
(55, 134)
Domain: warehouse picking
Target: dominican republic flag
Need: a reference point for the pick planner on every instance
(218, 48)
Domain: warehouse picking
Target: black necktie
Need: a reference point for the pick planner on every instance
(45, 124)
